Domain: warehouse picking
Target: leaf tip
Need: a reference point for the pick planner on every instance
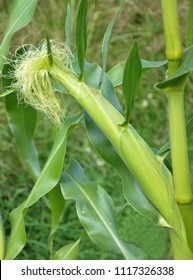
(49, 49)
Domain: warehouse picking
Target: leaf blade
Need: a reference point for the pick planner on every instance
(180, 76)
(189, 26)
(57, 204)
(81, 36)
(131, 77)
(21, 15)
(116, 72)
(68, 252)
(96, 211)
(22, 122)
(106, 40)
(47, 180)
(68, 26)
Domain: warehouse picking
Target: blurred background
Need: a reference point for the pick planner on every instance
(139, 20)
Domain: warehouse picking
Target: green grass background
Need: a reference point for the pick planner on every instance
(141, 20)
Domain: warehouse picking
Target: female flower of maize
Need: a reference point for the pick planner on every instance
(33, 79)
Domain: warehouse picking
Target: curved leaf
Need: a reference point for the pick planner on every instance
(131, 78)
(81, 36)
(106, 39)
(189, 26)
(116, 72)
(189, 126)
(96, 212)
(57, 204)
(22, 121)
(68, 26)
(47, 180)
(181, 74)
(21, 14)
(68, 252)
(49, 49)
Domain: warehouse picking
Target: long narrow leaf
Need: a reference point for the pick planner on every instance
(189, 27)
(81, 36)
(131, 77)
(106, 39)
(68, 252)
(21, 14)
(96, 212)
(181, 74)
(22, 121)
(47, 180)
(189, 126)
(49, 49)
(68, 26)
(57, 204)
(116, 72)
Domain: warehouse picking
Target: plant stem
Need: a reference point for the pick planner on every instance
(187, 215)
(180, 247)
(171, 30)
(178, 138)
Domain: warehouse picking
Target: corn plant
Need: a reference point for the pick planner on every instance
(40, 77)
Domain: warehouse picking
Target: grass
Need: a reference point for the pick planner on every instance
(149, 118)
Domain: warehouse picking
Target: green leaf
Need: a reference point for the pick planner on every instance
(57, 204)
(180, 76)
(189, 126)
(116, 72)
(131, 77)
(81, 36)
(164, 150)
(21, 14)
(68, 252)
(106, 39)
(22, 121)
(2, 239)
(47, 180)
(68, 26)
(49, 49)
(96, 212)
(92, 78)
(189, 26)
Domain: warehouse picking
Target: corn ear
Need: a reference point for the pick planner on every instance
(153, 176)
(129, 145)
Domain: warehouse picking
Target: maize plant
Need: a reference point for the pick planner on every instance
(39, 78)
